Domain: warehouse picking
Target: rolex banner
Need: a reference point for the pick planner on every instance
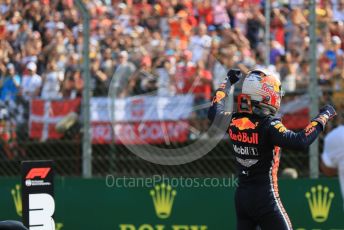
(174, 204)
(38, 205)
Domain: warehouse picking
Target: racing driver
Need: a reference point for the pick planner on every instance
(257, 136)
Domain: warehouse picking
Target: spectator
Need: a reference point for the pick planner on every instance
(107, 63)
(239, 17)
(145, 79)
(10, 84)
(31, 82)
(324, 71)
(294, 27)
(205, 14)
(334, 51)
(13, 25)
(6, 50)
(338, 74)
(72, 63)
(123, 15)
(184, 72)
(200, 44)
(123, 74)
(277, 50)
(51, 82)
(338, 10)
(221, 17)
(217, 69)
(5, 7)
(303, 78)
(165, 77)
(99, 79)
(202, 83)
(278, 23)
(133, 27)
(332, 159)
(73, 84)
(180, 29)
(255, 22)
(201, 88)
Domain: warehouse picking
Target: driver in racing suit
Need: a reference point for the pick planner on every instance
(256, 136)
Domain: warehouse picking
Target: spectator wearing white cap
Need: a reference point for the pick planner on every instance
(337, 44)
(123, 16)
(31, 82)
(332, 159)
(334, 51)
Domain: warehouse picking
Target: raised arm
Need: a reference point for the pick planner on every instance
(282, 137)
(217, 108)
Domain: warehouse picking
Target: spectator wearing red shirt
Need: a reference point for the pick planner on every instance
(180, 28)
(184, 72)
(201, 88)
(278, 23)
(201, 82)
(205, 12)
(142, 7)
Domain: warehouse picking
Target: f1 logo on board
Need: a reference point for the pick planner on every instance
(38, 172)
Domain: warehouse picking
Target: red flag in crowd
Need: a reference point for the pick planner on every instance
(44, 115)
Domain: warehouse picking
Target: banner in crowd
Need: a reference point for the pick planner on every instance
(141, 108)
(152, 132)
(142, 119)
(125, 203)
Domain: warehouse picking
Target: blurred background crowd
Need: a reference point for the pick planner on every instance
(162, 47)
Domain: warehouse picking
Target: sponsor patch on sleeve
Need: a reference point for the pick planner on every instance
(279, 126)
(310, 128)
(219, 96)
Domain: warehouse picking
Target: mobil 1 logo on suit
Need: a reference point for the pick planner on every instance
(38, 195)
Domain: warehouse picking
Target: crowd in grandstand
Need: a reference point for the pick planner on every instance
(161, 47)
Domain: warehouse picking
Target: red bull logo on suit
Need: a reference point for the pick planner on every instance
(243, 123)
(250, 138)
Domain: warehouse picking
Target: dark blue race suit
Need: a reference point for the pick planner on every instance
(256, 142)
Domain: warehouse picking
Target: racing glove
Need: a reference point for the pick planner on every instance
(233, 76)
(326, 113)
